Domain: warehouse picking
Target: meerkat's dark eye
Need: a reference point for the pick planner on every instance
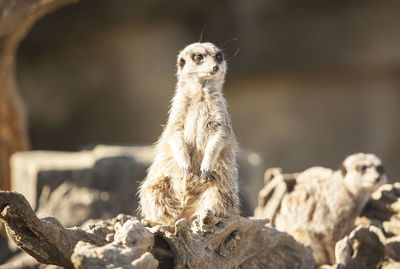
(380, 169)
(182, 63)
(219, 57)
(362, 168)
(197, 58)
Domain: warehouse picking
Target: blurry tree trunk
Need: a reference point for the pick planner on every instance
(16, 18)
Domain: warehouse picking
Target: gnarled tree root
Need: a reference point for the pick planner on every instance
(210, 242)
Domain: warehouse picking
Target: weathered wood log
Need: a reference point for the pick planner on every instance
(16, 18)
(235, 242)
(45, 239)
(209, 242)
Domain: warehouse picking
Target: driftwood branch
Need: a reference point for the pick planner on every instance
(45, 239)
(124, 242)
(235, 242)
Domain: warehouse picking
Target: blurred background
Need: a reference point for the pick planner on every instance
(309, 82)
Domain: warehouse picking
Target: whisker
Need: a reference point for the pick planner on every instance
(236, 53)
(204, 84)
(202, 33)
(229, 41)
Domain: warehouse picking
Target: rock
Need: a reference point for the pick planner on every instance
(362, 248)
(73, 205)
(113, 172)
(129, 249)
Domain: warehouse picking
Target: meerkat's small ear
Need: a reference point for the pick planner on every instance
(181, 63)
(343, 170)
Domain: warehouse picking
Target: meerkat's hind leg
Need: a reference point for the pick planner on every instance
(222, 203)
(158, 203)
(212, 207)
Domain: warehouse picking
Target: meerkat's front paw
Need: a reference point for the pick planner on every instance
(184, 164)
(205, 222)
(205, 168)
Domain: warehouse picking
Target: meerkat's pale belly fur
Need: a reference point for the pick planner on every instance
(198, 125)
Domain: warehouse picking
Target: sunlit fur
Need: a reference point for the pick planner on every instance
(324, 204)
(194, 169)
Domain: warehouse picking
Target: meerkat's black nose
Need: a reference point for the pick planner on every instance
(216, 68)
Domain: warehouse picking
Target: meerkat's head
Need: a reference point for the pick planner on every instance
(201, 61)
(363, 173)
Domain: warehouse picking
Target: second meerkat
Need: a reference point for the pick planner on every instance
(324, 204)
(194, 170)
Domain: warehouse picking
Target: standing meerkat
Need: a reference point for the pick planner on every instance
(194, 171)
(324, 204)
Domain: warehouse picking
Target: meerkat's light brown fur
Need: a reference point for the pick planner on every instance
(322, 208)
(195, 169)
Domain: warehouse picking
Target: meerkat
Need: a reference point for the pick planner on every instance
(194, 171)
(324, 204)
